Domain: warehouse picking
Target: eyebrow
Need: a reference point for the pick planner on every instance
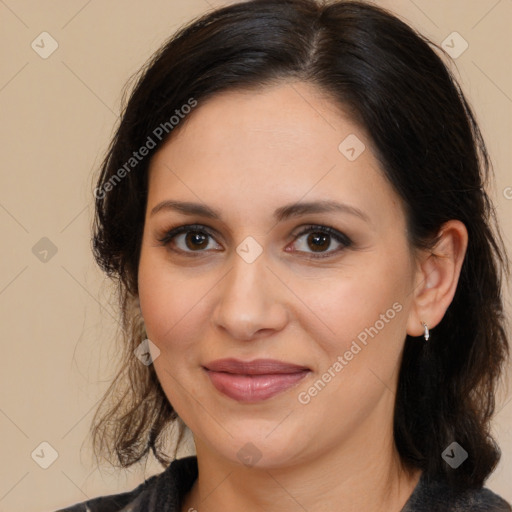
(280, 214)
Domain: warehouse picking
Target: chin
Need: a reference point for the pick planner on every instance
(262, 445)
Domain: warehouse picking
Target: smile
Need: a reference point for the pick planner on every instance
(253, 381)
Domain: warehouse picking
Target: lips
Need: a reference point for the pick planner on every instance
(253, 381)
(256, 367)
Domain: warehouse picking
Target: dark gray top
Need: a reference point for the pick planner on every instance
(164, 492)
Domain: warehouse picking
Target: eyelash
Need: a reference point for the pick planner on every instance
(312, 228)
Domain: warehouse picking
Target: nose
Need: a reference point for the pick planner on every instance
(250, 301)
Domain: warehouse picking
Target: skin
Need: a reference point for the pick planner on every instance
(246, 154)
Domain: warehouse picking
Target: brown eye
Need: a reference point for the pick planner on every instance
(187, 239)
(196, 240)
(320, 239)
(192, 239)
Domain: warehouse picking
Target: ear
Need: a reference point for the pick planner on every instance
(436, 277)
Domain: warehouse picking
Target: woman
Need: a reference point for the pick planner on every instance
(309, 270)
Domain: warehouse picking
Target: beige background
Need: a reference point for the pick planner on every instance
(57, 116)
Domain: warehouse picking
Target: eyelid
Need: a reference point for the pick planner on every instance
(337, 235)
(171, 233)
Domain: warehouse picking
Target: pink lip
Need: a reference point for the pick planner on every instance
(252, 381)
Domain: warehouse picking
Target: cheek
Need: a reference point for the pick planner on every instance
(361, 303)
(167, 308)
(175, 319)
(173, 302)
(360, 351)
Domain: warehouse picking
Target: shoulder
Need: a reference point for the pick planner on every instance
(439, 496)
(166, 488)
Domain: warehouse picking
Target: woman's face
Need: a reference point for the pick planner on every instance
(255, 282)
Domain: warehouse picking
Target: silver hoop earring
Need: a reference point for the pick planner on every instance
(426, 334)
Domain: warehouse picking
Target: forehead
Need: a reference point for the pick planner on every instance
(261, 148)
(281, 118)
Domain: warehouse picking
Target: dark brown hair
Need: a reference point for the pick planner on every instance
(430, 148)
